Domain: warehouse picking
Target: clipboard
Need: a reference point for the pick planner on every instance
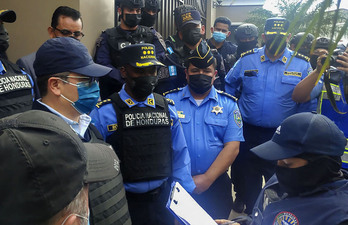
(186, 209)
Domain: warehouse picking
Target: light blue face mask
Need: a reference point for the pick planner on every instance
(88, 96)
(219, 36)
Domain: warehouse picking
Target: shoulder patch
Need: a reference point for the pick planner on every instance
(300, 56)
(172, 91)
(252, 51)
(227, 94)
(170, 101)
(104, 102)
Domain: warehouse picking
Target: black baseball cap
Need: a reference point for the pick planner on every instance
(65, 54)
(44, 166)
(276, 25)
(8, 16)
(307, 132)
(202, 56)
(140, 56)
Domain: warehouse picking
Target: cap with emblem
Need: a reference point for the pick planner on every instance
(8, 16)
(188, 17)
(45, 165)
(201, 57)
(276, 25)
(140, 56)
(303, 133)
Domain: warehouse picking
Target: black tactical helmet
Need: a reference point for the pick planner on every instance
(246, 30)
(296, 39)
(130, 3)
(154, 5)
(322, 42)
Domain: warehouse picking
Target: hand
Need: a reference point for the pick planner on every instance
(226, 222)
(322, 54)
(343, 60)
(202, 182)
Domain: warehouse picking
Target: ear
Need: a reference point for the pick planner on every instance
(288, 38)
(212, 29)
(51, 33)
(53, 86)
(187, 76)
(180, 35)
(203, 29)
(72, 220)
(263, 37)
(123, 72)
(228, 34)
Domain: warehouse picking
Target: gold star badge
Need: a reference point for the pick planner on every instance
(217, 109)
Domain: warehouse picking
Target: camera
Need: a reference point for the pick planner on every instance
(333, 58)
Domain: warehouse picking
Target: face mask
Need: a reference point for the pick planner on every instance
(141, 87)
(4, 39)
(219, 36)
(295, 181)
(200, 83)
(275, 45)
(147, 19)
(132, 20)
(191, 36)
(313, 61)
(88, 97)
(246, 46)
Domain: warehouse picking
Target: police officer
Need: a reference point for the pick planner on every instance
(145, 131)
(16, 86)
(263, 79)
(66, 80)
(334, 87)
(213, 129)
(227, 49)
(190, 31)
(305, 48)
(114, 39)
(149, 12)
(246, 36)
(308, 186)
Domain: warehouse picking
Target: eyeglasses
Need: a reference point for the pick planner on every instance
(76, 34)
(87, 81)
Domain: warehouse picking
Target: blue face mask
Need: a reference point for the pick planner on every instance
(219, 36)
(88, 96)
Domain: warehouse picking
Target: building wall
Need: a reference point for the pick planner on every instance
(34, 17)
(237, 14)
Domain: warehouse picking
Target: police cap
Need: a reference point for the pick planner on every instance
(130, 3)
(246, 30)
(187, 15)
(140, 56)
(201, 57)
(153, 5)
(276, 25)
(7, 15)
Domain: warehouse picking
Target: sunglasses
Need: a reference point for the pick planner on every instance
(75, 34)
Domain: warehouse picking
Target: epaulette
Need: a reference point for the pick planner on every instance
(170, 101)
(104, 102)
(227, 94)
(172, 91)
(300, 56)
(249, 52)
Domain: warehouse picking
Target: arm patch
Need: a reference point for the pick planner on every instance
(227, 94)
(104, 102)
(300, 56)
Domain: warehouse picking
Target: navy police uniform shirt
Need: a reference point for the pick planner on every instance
(264, 87)
(207, 127)
(105, 119)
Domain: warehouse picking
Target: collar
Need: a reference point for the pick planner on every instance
(80, 127)
(212, 94)
(283, 58)
(130, 102)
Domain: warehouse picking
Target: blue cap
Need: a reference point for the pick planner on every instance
(192, 16)
(276, 25)
(65, 54)
(140, 56)
(303, 133)
(201, 57)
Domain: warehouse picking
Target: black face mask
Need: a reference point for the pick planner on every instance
(246, 46)
(147, 19)
(141, 87)
(313, 61)
(4, 39)
(200, 83)
(277, 40)
(295, 181)
(191, 36)
(132, 20)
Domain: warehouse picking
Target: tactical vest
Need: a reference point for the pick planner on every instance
(143, 140)
(326, 207)
(107, 199)
(325, 108)
(15, 89)
(118, 39)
